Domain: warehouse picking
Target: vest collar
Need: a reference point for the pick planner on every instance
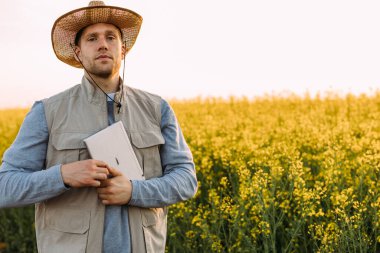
(96, 96)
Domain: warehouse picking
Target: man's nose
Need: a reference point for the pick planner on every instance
(102, 44)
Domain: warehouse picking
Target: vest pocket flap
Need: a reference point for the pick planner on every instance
(68, 220)
(153, 216)
(62, 141)
(147, 139)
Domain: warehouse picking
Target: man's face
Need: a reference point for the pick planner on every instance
(100, 49)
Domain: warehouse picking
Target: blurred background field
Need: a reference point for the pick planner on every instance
(275, 175)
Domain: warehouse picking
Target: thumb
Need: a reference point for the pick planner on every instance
(114, 172)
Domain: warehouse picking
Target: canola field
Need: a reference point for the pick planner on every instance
(275, 175)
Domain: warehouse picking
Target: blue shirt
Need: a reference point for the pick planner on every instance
(24, 179)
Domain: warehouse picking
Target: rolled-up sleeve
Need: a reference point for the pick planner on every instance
(23, 178)
(179, 181)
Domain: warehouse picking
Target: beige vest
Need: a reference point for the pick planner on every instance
(73, 222)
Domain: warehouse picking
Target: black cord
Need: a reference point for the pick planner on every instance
(118, 104)
(122, 85)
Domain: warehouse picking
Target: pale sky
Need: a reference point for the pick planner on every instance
(206, 48)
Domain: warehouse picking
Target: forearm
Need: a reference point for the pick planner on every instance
(178, 185)
(179, 181)
(23, 180)
(19, 187)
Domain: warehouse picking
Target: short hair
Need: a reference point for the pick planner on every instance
(78, 36)
(80, 32)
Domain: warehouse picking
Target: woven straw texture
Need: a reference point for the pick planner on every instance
(66, 27)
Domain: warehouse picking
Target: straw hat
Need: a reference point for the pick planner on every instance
(66, 27)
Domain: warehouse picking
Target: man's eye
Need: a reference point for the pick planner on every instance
(91, 39)
(111, 37)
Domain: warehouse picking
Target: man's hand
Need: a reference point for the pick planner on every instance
(116, 190)
(86, 173)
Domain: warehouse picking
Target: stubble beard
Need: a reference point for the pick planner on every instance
(102, 73)
(105, 74)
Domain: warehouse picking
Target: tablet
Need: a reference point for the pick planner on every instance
(112, 146)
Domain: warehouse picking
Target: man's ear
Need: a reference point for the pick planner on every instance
(77, 53)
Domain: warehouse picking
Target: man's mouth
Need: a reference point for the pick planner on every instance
(103, 56)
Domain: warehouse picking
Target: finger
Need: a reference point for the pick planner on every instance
(106, 202)
(102, 191)
(103, 196)
(100, 176)
(101, 164)
(115, 172)
(102, 170)
(95, 183)
(104, 183)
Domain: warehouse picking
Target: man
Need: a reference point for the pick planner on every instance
(82, 204)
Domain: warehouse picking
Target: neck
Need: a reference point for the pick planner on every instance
(108, 85)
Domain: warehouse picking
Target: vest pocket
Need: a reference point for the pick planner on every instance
(154, 227)
(67, 229)
(68, 220)
(146, 146)
(69, 147)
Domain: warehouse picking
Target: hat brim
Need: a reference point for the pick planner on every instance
(67, 26)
